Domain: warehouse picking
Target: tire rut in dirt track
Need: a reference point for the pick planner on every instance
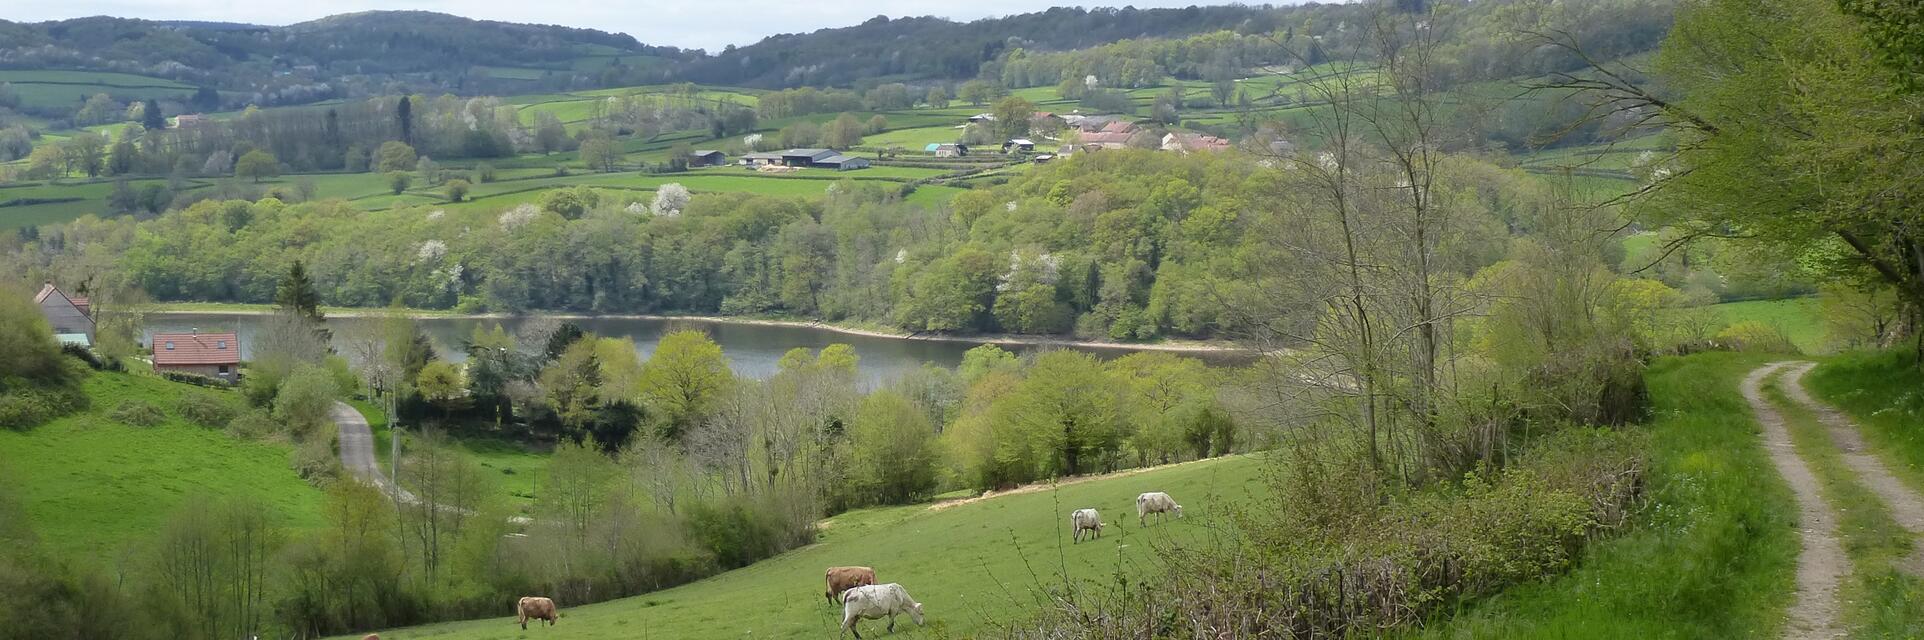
(1906, 506)
(1821, 564)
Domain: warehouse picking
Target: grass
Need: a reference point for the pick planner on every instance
(53, 89)
(971, 566)
(1800, 319)
(1879, 602)
(1711, 556)
(92, 486)
(1884, 392)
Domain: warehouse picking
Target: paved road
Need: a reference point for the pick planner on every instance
(357, 448)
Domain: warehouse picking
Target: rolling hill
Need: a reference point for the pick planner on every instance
(972, 564)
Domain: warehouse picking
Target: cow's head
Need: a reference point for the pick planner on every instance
(915, 613)
(1178, 511)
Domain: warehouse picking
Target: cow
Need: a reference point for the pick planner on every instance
(842, 579)
(1085, 520)
(876, 601)
(1155, 502)
(532, 608)
(371, 636)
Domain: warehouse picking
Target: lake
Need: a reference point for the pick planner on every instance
(752, 349)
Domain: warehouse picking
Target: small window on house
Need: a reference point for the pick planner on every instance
(223, 369)
(220, 344)
(170, 346)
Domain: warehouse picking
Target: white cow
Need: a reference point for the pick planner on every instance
(1085, 520)
(876, 601)
(1155, 502)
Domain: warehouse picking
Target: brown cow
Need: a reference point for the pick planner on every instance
(842, 579)
(535, 609)
(371, 636)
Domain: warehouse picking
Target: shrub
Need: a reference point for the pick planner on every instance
(314, 458)
(23, 406)
(253, 424)
(1753, 335)
(193, 379)
(137, 413)
(205, 409)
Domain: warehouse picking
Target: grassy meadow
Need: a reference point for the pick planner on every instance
(971, 565)
(91, 485)
(49, 89)
(1711, 556)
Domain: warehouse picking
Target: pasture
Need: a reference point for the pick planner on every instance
(54, 89)
(972, 565)
(91, 485)
(1801, 319)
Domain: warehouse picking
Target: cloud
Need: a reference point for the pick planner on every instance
(707, 24)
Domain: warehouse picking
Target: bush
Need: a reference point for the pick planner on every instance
(137, 413)
(205, 409)
(23, 406)
(193, 379)
(253, 424)
(1753, 335)
(314, 458)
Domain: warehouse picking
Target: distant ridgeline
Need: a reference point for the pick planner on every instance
(376, 53)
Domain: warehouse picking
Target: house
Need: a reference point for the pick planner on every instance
(841, 162)
(806, 157)
(188, 120)
(1018, 145)
(1192, 142)
(947, 149)
(1046, 120)
(1118, 126)
(215, 355)
(763, 158)
(707, 158)
(982, 117)
(1089, 123)
(1044, 158)
(68, 315)
(1105, 140)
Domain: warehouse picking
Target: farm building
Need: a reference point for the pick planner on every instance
(947, 149)
(1018, 145)
(188, 120)
(762, 159)
(707, 158)
(806, 157)
(1089, 123)
(841, 162)
(71, 317)
(1192, 142)
(215, 355)
(982, 117)
(1105, 140)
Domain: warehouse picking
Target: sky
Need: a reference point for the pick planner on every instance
(706, 24)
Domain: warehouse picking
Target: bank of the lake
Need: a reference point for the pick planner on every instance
(752, 345)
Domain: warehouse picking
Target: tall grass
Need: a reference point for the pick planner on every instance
(1884, 392)
(1711, 556)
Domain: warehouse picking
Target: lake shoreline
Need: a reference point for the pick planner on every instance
(1208, 347)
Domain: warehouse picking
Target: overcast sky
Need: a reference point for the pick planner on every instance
(708, 24)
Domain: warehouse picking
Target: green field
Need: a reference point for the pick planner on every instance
(1711, 555)
(971, 566)
(51, 89)
(91, 485)
(1801, 319)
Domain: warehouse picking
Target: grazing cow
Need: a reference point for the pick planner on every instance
(371, 636)
(535, 609)
(842, 579)
(1155, 502)
(876, 601)
(1086, 520)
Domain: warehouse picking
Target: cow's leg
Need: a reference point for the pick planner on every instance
(891, 623)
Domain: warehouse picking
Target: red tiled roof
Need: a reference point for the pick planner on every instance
(196, 348)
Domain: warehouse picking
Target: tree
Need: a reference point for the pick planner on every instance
(892, 450)
(670, 199)
(306, 399)
(682, 381)
(395, 155)
(877, 123)
(571, 203)
(87, 152)
(398, 181)
(404, 119)
(843, 133)
(1012, 116)
(296, 294)
(600, 153)
(27, 346)
(150, 116)
(549, 134)
(257, 164)
(938, 98)
(440, 382)
(1070, 413)
(429, 170)
(457, 190)
(801, 134)
(978, 92)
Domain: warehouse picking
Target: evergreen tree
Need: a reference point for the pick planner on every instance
(150, 116)
(405, 115)
(296, 294)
